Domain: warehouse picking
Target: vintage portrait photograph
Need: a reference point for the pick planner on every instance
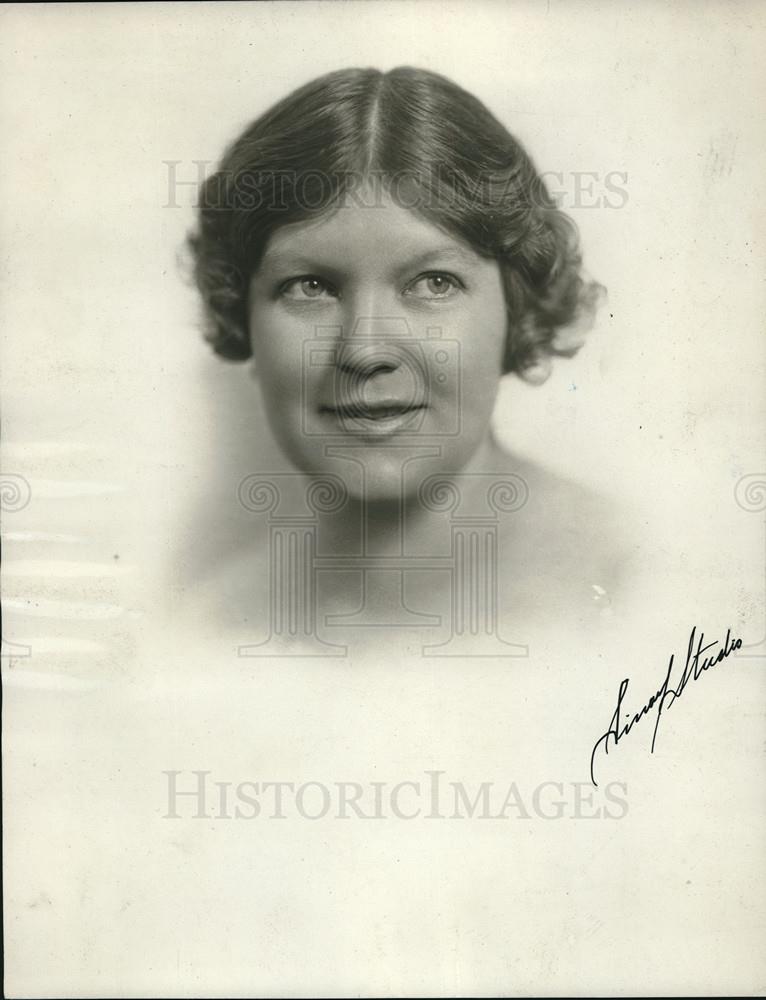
(383, 498)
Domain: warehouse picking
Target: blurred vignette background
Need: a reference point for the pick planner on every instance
(113, 114)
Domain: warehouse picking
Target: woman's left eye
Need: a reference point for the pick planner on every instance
(308, 286)
(434, 286)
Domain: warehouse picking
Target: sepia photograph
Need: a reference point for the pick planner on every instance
(383, 498)
(382, 253)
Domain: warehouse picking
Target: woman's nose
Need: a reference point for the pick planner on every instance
(373, 345)
(374, 365)
(366, 360)
(377, 327)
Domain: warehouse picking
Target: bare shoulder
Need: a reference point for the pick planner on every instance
(571, 545)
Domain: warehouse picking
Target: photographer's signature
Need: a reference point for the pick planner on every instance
(696, 665)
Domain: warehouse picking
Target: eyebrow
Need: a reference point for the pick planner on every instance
(451, 254)
(276, 260)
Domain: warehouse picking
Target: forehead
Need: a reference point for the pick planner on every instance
(380, 229)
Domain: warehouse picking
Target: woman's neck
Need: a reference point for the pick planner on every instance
(382, 528)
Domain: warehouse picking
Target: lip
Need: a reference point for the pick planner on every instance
(379, 419)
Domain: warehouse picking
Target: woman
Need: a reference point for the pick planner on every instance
(384, 251)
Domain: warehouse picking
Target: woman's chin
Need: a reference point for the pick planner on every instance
(358, 473)
(374, 482)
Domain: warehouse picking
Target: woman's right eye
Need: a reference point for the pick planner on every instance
(308, 286)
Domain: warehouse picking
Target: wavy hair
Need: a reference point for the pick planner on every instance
(435, 149)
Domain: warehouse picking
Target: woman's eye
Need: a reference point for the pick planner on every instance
(307, 287)
(434, 286)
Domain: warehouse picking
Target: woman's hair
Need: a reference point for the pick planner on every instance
(435, 149)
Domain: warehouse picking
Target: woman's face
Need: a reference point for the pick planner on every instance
(378, 342)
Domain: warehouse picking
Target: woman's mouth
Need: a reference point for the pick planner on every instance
(377, 419)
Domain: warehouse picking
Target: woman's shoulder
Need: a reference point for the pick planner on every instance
(568, 510)
(573, 544)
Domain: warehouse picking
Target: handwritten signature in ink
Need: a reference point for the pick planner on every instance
(665, 695)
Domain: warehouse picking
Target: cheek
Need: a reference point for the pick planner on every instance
(482, 348)
(277, 355)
